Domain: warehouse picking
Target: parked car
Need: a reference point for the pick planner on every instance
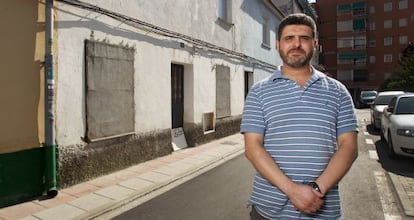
(380, 102)
(366, 98)
(397, 126)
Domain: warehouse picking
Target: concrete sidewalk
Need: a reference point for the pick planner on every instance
(106, 196)
(110, 195)
(404, 186)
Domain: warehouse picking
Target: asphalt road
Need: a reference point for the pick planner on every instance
(220, 193)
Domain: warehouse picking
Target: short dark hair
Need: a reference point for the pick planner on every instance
(297, 19)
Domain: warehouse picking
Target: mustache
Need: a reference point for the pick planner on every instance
(297, 50)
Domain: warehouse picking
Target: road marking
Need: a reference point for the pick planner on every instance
(366, 133)
(373, 154)
(369, 141)
(388, 203)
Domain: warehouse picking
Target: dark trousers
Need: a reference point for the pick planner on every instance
(254, 215)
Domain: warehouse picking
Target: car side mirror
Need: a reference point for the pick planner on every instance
(390, 110)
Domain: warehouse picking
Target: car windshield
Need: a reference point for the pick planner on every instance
(368, 94)
(383, 100)
(405, 106)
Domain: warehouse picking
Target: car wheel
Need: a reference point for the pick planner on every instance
(391, 152)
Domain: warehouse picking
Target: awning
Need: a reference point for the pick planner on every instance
(351, 56)
(358, 5)
(344, 8)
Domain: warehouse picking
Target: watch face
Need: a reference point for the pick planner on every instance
(314, 186)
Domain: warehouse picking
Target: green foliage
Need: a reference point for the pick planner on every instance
(403, 78)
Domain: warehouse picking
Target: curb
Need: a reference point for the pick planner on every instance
(402, 194)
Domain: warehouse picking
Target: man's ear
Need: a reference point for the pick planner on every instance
(315, 44)
(277, 44)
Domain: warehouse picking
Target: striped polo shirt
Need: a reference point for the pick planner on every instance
(300, 128)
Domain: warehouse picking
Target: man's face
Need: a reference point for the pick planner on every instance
(296, 45)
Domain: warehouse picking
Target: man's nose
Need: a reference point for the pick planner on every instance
(297, 42)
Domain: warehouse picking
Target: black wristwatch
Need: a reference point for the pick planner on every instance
(314, 186)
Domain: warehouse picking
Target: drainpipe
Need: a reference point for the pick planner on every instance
(50, 145)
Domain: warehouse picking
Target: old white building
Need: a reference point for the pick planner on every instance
(137, 79)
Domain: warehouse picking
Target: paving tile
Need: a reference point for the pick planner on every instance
(80, 189)
(61, 212)
(20, 211)
(61, 197)
(91, 202)
(154, 177)
(170, 171)
(137, 184)
(115, 192)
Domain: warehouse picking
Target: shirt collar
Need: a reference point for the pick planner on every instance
(316, 75)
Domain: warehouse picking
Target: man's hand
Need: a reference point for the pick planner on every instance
(305, 198)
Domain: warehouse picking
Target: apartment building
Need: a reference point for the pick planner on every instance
(362, 40)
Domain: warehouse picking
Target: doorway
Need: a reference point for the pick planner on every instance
(177, 106)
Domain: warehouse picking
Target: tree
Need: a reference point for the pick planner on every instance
(403, 78)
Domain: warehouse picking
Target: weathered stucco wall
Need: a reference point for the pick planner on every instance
(154, 54)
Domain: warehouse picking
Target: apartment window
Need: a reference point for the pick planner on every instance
(387, 24)
(344, 42)
(360, 62)
(343, 9)
(344, 75)
(343, 62)
(403, 4)
(358, 59)
(387, 41)
(402, 22)
(358, 8)
(403, 39)
(360, 42)
(344, 25)
(387, 75)
(388, 6)
(387, 58)
(372, 59)
(372, 43)
(359, 25)
(372, 26)
(224, 10)
(360, 75)
(372, 76)
(266, 33)
(371, 9)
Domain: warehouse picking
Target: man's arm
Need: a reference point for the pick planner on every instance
(341, 161)
(303, 197)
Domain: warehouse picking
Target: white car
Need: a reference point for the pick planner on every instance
(397, 126)
(380, 102)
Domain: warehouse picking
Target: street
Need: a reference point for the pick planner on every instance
(221, 193)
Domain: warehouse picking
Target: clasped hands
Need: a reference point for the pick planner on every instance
(305, 198)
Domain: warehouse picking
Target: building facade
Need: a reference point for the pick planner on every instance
(362, 40)
(125, 82)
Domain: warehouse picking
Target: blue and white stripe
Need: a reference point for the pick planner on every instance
(300, 128)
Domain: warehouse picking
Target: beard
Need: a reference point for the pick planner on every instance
(296, 62)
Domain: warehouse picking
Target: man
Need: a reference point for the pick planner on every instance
(300, 132)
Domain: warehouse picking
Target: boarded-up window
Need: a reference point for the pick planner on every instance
(222, 91)
(109, 90)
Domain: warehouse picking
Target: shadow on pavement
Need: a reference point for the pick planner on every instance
(372, 131)
(403, 166)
